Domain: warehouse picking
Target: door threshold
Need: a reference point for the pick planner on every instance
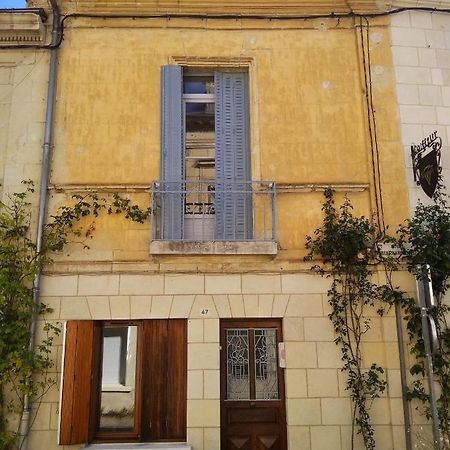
(141, 446)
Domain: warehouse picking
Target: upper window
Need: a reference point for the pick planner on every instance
(206, 189)
(115, 386)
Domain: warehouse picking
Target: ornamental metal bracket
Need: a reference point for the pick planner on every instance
(426, 160)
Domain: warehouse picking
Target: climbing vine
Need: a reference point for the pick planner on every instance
(425, 239)
(347, 246)
(25, 371)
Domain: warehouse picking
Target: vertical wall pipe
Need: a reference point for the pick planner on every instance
(45, 172)
(404, 385)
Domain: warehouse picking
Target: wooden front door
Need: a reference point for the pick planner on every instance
(253, 413)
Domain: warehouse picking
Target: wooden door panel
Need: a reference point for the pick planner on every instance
(268, 442)
(252, 415)
(154, 365)
(165, 380)
(76, 386)
(252, 423)
(239, 443)
(176, 379)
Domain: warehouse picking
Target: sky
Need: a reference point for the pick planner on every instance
(12, 4)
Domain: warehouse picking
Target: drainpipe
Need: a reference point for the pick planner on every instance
(404, 384)
(45, 172)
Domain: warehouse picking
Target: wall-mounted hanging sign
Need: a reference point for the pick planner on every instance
(426, 159)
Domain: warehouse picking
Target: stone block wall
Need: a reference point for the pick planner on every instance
(318, 406)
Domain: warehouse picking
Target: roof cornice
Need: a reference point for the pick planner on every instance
(21, 27)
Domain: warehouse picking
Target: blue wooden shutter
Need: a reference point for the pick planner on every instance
(172, 153)
(233, 173)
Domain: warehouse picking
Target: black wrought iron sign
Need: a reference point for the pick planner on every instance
(426, 159)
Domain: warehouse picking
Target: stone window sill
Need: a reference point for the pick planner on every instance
(213, 248)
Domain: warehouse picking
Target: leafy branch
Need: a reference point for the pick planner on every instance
(25, 371)
(347, 246)
(425, 239)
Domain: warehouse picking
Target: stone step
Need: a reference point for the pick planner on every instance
(140, 446)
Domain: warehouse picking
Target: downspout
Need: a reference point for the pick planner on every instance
(45, 172)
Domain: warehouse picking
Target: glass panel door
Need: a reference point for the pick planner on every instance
(200, 158)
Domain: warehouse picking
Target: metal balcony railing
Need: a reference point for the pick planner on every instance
(213, 211)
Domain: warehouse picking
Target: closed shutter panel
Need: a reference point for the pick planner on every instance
(172, 153)
(165, 380)
(76, 383)
(233, 174)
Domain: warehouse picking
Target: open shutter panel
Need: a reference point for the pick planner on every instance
(172, 153)
(76, 383)
(165, 379)
(177, 373)
(233, 174)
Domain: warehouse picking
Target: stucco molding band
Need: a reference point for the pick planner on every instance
(249, 7)
(286, 188)
(76, 188)
(21, 28)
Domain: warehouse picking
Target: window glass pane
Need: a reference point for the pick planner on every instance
(198, 84)
(111, 360)
(200, 118)
(238, 382)
(266, 367)
(118, 378)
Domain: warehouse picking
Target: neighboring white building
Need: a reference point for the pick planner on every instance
(421, 53)
(23, 90)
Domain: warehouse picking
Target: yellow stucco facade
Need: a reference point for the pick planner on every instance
(308, 110)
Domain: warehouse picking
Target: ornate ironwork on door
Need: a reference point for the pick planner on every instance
(252, 386)
(238, 382)
(264, 377)
(266, 371)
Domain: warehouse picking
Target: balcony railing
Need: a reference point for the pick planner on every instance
(210, 211)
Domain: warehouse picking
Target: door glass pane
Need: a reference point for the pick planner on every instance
(118, 381)
(238, 382)
(200, 171)
(266, 367)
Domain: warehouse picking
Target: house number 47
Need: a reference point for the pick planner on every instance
(204, 312)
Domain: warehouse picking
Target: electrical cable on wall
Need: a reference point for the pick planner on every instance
(375, 131)
(371, 118)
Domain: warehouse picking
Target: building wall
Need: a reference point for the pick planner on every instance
(309, 125)
(318, 407)
(309, 129)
